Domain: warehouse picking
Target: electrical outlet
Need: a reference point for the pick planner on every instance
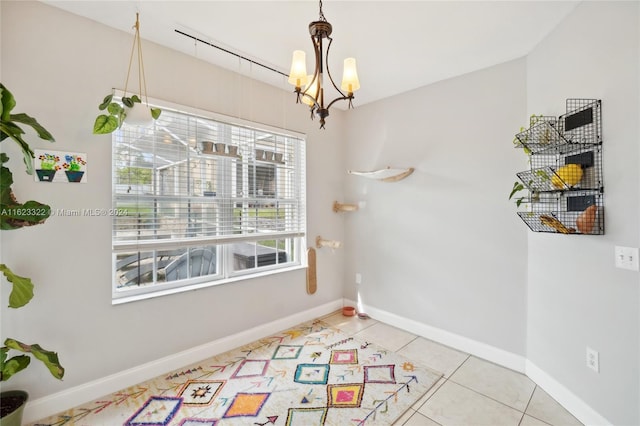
(358, 278)
(626, 258)
(593, 359)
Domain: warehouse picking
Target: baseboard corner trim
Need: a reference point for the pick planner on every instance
(572, 403)
(51, 404)
(481, 350)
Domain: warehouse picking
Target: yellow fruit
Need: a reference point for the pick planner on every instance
(570, 174)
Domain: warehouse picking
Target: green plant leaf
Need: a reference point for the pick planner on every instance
(519, 201)
(114, 109)
(9, 128)
(13, 365)
(543, 174)
(14, 132)
(7, 104)
(105, 124)
(30, 121)
(135, 98)
(127, 102)
(517, 186)
(155, 113)
(16, 215)
(22, 291)
(6, 180)
(105, 102)
(49, 358)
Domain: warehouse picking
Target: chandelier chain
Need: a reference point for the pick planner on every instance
(322, 18)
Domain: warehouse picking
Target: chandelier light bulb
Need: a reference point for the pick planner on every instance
(298, 74)
(311, 91)
(350, 82)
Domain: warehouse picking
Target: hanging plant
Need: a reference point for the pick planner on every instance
(116, 113)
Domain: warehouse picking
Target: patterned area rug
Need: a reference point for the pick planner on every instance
(309, 375)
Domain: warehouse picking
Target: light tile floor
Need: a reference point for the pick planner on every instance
(472, 391)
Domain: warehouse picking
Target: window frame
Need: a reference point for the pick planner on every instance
(224, 272)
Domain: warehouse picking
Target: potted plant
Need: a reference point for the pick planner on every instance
(115, 113)
(133, 111)
(14, 215)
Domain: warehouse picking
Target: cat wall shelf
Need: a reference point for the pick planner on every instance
(385, 175)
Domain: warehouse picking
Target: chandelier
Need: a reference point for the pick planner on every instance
(313, 92)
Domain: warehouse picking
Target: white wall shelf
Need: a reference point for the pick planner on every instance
(385, 175)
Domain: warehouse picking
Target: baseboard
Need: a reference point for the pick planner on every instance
(464, 344)
(576, 406)
(60, 401)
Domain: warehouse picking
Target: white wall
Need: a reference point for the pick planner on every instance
(59, 67)
(443, 247)
(577, 298)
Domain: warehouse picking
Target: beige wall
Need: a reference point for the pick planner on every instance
(59, 67)
(443, 247)
(577, 298)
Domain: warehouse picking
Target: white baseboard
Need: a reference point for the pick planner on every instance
(576, 406)
(60, 401)
(51, 404)
(464, 344)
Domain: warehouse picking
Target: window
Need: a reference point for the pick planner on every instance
(200, 199)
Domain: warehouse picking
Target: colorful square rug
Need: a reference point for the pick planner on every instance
(312, 374)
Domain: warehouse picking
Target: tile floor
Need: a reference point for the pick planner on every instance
(472, 391)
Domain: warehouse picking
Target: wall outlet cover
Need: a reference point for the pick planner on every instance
(593, 359)
(626, 258)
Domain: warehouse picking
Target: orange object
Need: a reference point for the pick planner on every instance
(349, 311)
(587, 219)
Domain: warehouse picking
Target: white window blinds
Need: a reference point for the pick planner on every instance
(190, 182)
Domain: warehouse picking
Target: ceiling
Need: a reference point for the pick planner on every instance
(398, 45)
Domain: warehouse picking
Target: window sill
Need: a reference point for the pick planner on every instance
(119, 300)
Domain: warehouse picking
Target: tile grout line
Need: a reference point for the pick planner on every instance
(528, 402)
(487, 396)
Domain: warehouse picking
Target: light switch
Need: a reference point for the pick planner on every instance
(626, 258)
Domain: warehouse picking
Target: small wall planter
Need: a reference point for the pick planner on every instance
(74, 176)
(45, 175)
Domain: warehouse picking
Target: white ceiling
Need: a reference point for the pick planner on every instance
(398, 45)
